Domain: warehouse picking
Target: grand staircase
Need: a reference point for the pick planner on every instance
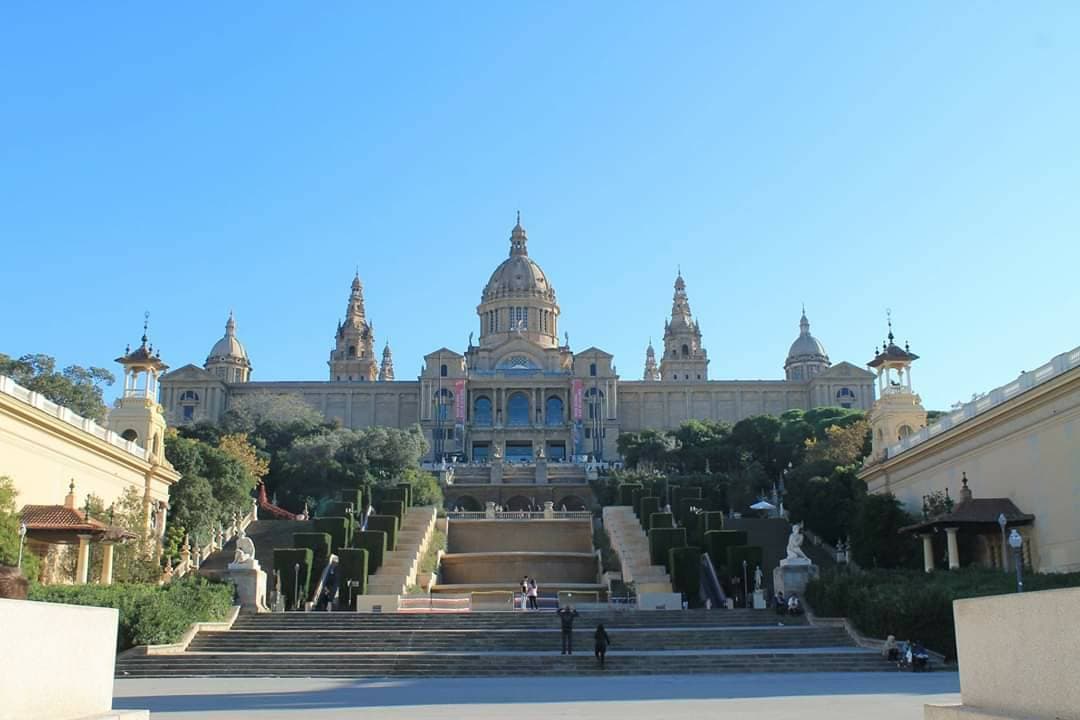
(399, 568)
(631, 544)
(644, 642)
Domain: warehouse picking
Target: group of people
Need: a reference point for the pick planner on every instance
(909, 655)
(529, 594)
(789, 606)
(601, 640)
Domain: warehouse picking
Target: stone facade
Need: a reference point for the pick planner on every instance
(518, 391)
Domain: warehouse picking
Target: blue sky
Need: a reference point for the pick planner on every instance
(922, 157)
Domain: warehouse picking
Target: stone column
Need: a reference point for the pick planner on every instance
(107, 563)
(82, 567)
(928, 552)
(954, 550)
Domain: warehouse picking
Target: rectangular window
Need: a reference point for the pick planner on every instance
(189, 412)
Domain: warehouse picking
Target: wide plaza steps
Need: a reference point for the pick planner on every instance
(400, 566)
(475, 644)
(631, 545)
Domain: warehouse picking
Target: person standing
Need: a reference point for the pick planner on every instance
(566, 618)
(525, 593)
(533, 594)
(602, 641)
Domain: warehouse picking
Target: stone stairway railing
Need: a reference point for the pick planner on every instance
(191, 558)
(631, 545)
(400, 566)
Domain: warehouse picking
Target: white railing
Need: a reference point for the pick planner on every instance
(519, 515)
(17, 391)
(191, 558)
(982, 403)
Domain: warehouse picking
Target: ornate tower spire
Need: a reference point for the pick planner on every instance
(898, 411)
(519, 241)
(355, 314)
(684, 357)
(680, 303)
(652, 372)
(353, 356)
(386, 370)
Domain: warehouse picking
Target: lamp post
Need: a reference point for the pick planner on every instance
(1002, 522)
(352, 584)
(1016, 542)
(22, 540)
(746, 590)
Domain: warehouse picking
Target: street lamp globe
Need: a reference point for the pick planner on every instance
(1016, 540)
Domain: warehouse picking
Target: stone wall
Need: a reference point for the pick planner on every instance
(548, 568)
(479, 536)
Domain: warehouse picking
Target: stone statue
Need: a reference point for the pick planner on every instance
(245, 550)
(470, 339)
(496, 451)
(539, 452)
(759, 578)
(795, 555)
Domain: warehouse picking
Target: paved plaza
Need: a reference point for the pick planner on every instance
(810, 696)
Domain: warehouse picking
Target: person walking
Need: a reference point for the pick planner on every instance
(566, 618)
(602, 641)
(533, 593)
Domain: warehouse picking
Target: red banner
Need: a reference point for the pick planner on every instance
(578, 402)
(459, 400)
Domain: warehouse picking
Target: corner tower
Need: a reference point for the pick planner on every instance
(353, 356)
(652, 372)
(684, 357)
(138, 416)
(898, 411)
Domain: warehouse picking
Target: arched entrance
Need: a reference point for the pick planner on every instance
(571, 502)
(517, 503)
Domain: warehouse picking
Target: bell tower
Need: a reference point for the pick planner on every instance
(898, 411)
(684, 357)
(138, 416)
(353, 356)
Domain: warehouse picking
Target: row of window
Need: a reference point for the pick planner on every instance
(519, 320)
(517, 408)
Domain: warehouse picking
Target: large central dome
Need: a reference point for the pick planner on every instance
(518, 275)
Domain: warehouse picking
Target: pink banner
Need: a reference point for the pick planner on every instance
(459, 400)
(578, 399)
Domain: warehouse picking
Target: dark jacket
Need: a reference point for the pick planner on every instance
(602, 639)
(566, 615)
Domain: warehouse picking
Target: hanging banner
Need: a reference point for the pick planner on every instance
(578, 399)
(459, 400)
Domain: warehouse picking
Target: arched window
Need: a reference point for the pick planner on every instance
(685, 350)
(845, 397)
(444, 400)
(352, 351)
(482, 411)
(592, 369)
(189, 396)
(130, 435)
(553, 411)
(517, 409)
(594, 399)
(905, 431)
(443, 370)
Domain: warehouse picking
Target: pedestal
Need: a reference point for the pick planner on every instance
(250, 582)
(541, 471)
(792, 579)
(759, 600)
(496, 471)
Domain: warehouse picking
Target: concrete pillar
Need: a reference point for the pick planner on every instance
(107, 563)
(928, 552)
(82, 567)
(954, 549)
(549, 510)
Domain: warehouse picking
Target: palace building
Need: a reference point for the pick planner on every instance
(518, 392)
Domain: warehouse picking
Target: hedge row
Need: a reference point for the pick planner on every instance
(395, 508)
(660, 520)
(295, 581)
(374, 541)
(661, 541)
(339, 528)
(387, 524)
(626, 493)
(646, 507)
(352, 566)
(150, 614)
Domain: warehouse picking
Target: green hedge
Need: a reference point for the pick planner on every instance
(150, 614)
(285, 560)
(352, 565)
(395, 508)
(754, 557)
(318, 543)
(339, 529)
(356, 497)
(661, 520)
(712, 520)
(717, 542)
(685, 565)
(661, 540)
(338, 508)
(387, 524)
(626, 493)
(374, 541)
(647, 505)
(408, 490)
(394, 494)
(915, 605)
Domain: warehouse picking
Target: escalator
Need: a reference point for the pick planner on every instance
(712, 593)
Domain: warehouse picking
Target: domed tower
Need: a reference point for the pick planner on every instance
(386, 370)
(138, 417)
(807, 356)
(353, 356)
(518, 300)
(652, 372)
(684, 357)
(228, 359)
(898, 411)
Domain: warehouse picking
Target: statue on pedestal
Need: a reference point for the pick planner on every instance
(244, 557)
(759, 578)
(795, 554)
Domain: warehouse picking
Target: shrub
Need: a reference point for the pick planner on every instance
(717, 542)
(754, 558)
(338, 508)
(387, 524)
(661, 540)
(338, 528)
(150, 614)
(395, 508)
(394, 494)
(685, 567)
(406, 490)
(647, 505)
(374, 541)
(712, 520)
(356, 497)
(609, 561)
(293, 585)
(915, 605)
(318, 543)
(352, 565)
(626, 493)
(661, 520)
(423, 489)
(635, 498)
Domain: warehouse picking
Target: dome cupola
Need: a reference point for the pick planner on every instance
(228, 359)
(807, 356)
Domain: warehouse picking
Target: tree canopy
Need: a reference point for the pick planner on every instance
(75, 387)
